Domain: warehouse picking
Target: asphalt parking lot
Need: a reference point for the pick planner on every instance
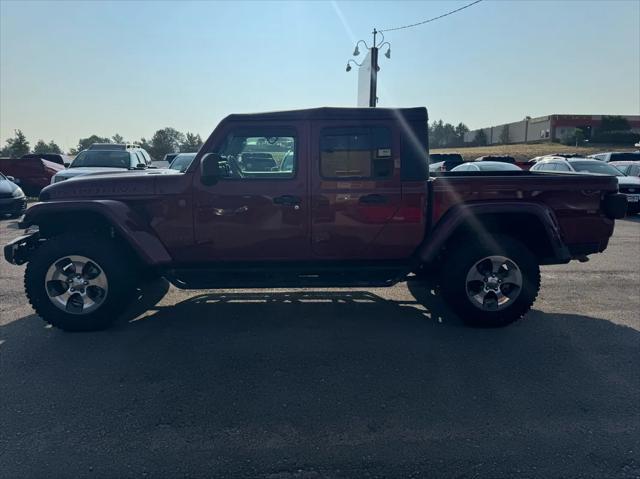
(336, 383)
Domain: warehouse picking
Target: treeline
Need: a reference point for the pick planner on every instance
(444, 135)
(163, 141)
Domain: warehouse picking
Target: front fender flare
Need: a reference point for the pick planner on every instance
(467, 213)
(126, 222)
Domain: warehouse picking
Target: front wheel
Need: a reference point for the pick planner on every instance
(492, 283)
(79, 282)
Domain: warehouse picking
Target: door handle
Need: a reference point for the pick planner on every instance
(373, 199)
(287, 200)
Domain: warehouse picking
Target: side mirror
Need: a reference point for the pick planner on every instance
(12, 179)
(141, 166)
(210, 168)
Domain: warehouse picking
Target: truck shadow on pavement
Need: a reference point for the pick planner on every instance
(257, 383)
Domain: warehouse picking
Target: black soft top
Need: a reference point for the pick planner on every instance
(334, 113)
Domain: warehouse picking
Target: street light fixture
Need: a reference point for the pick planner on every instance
(350, 62)
(375, 68)
(388, 52)
(356, 52)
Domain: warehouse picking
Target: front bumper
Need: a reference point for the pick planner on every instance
(13, 206)
(19, 250)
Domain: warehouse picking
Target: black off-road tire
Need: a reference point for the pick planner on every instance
(116, 263)
(463, 255)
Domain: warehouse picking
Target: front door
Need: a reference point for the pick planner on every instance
(259, 208)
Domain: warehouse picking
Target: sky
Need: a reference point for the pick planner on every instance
(72, 69)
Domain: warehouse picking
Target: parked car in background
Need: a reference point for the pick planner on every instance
(253, 161)
(444, 161)
(627, 185)
(59, 158)
(182, 161)
(629, 168)
(169, 157)
(486, 166)
(13, 201)
(556, 155)
(617, 156)
(31, 174)
(165, 162)
(104, 161)
(113, 146)
(494, 158)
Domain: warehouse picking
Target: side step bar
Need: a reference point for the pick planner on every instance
(287, 276)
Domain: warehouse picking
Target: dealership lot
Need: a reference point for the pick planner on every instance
(331, 383)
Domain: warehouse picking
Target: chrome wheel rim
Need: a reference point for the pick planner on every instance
(76, 284)
(493, 283)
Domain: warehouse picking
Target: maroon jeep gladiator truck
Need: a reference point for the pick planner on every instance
(349, 202)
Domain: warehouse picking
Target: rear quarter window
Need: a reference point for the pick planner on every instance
(356, 153)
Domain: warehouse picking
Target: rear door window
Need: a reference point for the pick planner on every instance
(356, 153)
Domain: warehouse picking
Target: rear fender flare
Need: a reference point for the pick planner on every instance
(126, 222)
(469, 213)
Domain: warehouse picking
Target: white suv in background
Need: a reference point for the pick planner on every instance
(102, 160)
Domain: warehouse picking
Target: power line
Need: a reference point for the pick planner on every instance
(431, 19)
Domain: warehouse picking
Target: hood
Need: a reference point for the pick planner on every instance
(110, 183)
(628, 180)
(85, 170)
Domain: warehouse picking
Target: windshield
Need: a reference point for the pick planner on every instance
(182, 161)
(595, 167)
(102, 158)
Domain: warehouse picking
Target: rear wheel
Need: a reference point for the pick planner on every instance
(80, 282)
(493, 283)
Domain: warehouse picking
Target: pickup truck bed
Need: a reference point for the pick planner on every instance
(573, 198)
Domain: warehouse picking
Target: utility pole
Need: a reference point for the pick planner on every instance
(373, 88)
(373, 66)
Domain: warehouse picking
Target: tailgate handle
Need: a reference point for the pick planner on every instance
(373, 199)
(288, 200)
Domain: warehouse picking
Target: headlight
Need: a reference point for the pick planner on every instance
(18, 193)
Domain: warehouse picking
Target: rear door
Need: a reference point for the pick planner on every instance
(355, 186)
